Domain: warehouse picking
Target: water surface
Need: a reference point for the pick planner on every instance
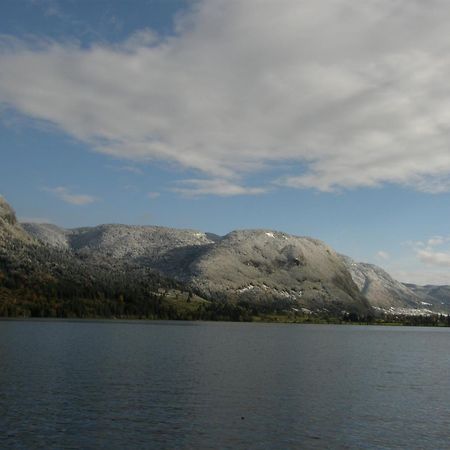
(133, 384)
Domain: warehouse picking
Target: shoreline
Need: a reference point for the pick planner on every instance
(257, 320)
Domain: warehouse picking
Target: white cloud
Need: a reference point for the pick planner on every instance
(431, 262)
(353, 93)
(421, 277)
(436, 240)
(383, 255)
(434, 258)
(74, 199)
(220, 187)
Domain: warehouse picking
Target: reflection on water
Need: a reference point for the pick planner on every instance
(131, 384)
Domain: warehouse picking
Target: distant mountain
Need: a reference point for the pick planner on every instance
(385, 294)
(437, 296)
(258, 270)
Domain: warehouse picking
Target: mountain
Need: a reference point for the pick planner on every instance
(246, 270)
(253, 265)
(42, 279)
(432, 296)
(385, 294)
(274, 266)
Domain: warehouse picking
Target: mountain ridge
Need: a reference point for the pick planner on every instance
(245, 258)
(259, 267)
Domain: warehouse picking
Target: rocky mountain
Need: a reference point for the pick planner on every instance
(385, 294)
(437, 297)
(265, 269)
(43, 279)
(269, 265)
(117, 241)
(252, 265)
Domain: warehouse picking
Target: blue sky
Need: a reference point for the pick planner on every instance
(318, 119)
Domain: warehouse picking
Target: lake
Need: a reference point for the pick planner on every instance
(186, 385)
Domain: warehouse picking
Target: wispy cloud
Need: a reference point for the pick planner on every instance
(434, 258)
(74, 199)
(421, 276)
(220, 187)
(433, 251)
(383, 255)
(354, 93)
(437, 240)
(152, 195)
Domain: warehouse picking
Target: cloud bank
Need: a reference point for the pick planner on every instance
(434, 258)
(434, 251)
(430, 262)
(352, 94)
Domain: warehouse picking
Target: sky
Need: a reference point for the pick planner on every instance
(324, 118)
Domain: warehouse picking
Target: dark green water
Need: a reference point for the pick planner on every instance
(124, 385)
